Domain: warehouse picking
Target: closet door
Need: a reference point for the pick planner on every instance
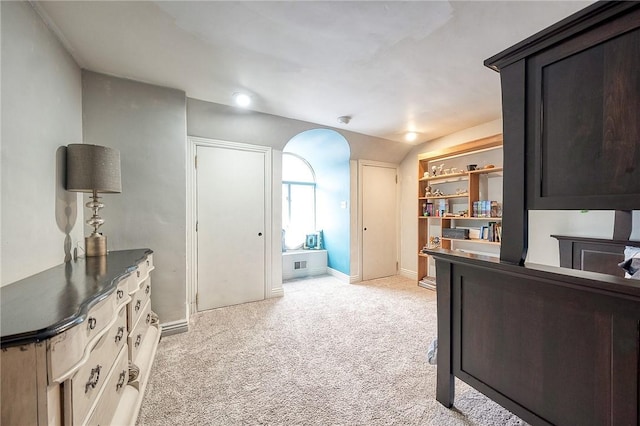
(230, 226)
(379, 221)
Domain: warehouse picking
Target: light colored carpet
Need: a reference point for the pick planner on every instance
(327, 353)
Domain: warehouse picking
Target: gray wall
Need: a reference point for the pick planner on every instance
(41, 112)
(215, 121)
(148, 125)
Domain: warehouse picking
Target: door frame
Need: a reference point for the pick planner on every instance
(361, 165)
(193, 142)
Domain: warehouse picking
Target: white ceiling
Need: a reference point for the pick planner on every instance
(393, 66)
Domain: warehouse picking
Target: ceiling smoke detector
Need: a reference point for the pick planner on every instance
(344, 119)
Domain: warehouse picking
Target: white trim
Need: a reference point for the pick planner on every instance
(351, 279)
(192, 241)
(361, 165)
(339, 275)
(306, 273)
(174, 327)
(409, 274)
(354, 222)
(276, 292)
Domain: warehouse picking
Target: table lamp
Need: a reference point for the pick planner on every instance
(94, 169)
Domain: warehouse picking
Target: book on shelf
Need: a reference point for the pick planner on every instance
(491, 232)
(486, 208)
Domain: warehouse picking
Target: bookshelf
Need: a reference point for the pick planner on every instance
(447, 199)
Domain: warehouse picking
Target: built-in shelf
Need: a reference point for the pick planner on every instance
(485, 219)
(492, 170)
(478, 185)
(451, 177)
(443, 197)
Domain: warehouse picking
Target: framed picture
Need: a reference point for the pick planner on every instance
(311, 241)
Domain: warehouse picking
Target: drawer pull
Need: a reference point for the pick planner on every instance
(94, 377)
(146, 290)
(138, 273)
(138, 340)
(123, 376)
(148, 318)
(147, 262)
(91, 323)
(120, 294)
(120, 334)
(137, 307)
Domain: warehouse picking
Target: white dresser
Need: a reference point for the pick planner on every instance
(78, 341)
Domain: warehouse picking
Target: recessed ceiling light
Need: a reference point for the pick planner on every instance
(242, 99)
(410, 136)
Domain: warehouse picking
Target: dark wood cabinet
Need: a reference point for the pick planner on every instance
(584, 104)
(593, 254)
(555, 345)
(571, 107)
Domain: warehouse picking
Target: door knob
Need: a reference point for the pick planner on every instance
(259, 234)
(365, 229)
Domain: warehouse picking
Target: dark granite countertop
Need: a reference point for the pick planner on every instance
(52, 301)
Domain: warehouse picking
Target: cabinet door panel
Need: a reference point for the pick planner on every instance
(584, 104)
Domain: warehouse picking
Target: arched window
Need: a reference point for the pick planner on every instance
(298, 199)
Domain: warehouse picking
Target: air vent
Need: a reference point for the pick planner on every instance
(300, 265)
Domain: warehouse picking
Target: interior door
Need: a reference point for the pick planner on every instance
(230, 226)
(379, 222)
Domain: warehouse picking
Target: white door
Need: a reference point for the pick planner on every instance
(379, 218)
(230, 226)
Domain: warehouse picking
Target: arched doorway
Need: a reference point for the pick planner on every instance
(321, 189)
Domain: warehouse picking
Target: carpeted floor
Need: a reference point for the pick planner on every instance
(327, 353)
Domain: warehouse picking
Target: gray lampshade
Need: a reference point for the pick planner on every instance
(93, 167)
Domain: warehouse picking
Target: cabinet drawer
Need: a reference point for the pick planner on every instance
(138, 334)
(115, 385)
(130, 283)
(144, 268)
(138, 300)
(68, 349)
(87, 382)
(122, 297)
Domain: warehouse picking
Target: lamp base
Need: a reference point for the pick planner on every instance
(95, 245)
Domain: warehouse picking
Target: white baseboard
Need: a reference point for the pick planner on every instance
(343, 277)
(276, 292)
(174, 327)
(339, 275)
(409, 274)
(310, 272)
